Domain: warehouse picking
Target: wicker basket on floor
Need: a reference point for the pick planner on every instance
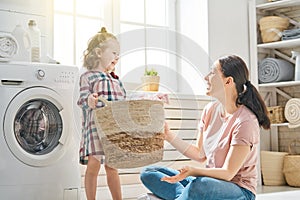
(271, 167)
(291, 165)
(131, 132)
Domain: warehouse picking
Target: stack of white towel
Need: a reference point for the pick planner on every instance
(8, 46)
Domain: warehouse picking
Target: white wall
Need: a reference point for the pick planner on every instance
(13, 12)
(228, 28)
(192, 24)
(216, 28)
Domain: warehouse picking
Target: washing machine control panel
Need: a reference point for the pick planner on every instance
(66, 77)
(40, 74)
(60, 77)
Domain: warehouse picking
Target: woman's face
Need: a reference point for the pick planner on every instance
(215, 81)
(110, 55)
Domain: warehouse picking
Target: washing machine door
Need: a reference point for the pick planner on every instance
(34, 126)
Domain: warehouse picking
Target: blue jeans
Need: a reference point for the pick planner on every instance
(191, 188)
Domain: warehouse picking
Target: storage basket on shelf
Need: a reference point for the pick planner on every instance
(271, 28)
(291, 165)
(276, 114)
(131, 132)
(271, 167)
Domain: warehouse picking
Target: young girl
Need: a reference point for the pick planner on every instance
(228, 141)
(100, 59)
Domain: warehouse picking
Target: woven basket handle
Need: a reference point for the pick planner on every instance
(293, 146)
(104, 101)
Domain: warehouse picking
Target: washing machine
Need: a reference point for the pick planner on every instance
(39, 138)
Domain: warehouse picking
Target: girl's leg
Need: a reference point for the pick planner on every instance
(212, 189)
(91, 175)
(151, 176)
(113, 181)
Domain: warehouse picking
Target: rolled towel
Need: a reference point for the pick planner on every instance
(8, 45)
(275, 70)
(292, 112)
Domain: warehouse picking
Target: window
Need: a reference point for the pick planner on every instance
(145, 40)
(75, 21)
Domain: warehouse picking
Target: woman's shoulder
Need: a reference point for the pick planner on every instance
(246, 115)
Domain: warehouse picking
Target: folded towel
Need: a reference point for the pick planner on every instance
(292, 112)
(150, 96)
(275, 70)
(8, 45)
(290, 37)
(291, 32)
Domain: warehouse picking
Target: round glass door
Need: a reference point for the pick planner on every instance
(38, 126)
(35, 127)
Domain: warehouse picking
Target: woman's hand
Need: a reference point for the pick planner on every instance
(184, 172)
(93, 100)
(168, 134)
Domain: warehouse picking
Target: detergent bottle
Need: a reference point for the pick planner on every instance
(296, 55)
(35, 38)
(24, 44)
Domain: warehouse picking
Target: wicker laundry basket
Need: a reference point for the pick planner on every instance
(271, 167)
(276, 114)
(131, 132)
(271, 28)
(291, 165)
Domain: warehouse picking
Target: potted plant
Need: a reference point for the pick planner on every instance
(150, 80)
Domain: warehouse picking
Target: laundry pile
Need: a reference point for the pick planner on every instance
(8, 46)
(291, 34)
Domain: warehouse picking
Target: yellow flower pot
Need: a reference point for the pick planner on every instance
(150, 83)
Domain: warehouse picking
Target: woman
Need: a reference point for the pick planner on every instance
(228, 142)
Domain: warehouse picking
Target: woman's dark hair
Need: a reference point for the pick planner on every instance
(233, 66)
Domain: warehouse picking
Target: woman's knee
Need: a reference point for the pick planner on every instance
(150, 173)
(145, 173)
(200, 184)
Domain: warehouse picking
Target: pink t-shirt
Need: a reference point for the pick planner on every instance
(219, 133)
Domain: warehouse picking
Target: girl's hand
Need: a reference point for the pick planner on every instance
(93, 100)
(184, 172)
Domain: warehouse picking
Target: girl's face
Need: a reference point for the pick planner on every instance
(215, 81)
(110, 55)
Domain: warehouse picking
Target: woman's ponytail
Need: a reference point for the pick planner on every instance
(248, 95)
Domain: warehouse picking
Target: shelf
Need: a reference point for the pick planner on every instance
(280, 84)
(281, 124)
(278, 4)
(281, 44)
